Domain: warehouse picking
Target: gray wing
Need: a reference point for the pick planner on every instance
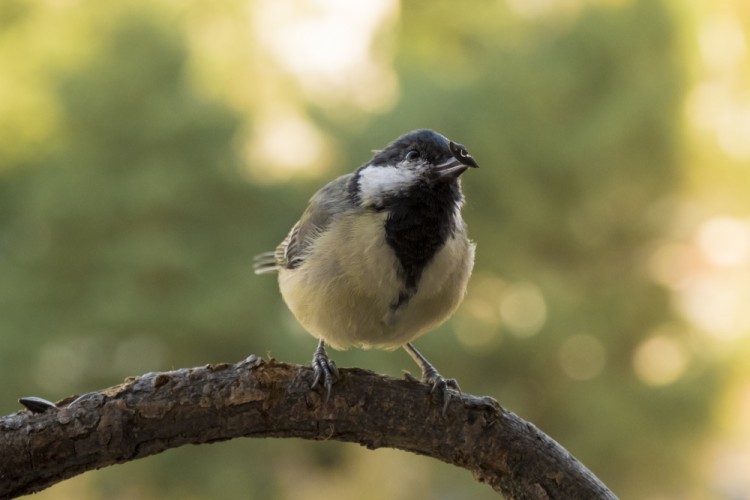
(331, 200)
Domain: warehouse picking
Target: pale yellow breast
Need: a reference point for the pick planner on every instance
(344, 291)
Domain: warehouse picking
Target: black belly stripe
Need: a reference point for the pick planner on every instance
(417, 227)
(403, 299)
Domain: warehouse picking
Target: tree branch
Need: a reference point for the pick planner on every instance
(154, 412)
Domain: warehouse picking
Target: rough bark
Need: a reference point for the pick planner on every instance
(154, 412)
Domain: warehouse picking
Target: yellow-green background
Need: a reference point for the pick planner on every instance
(148, 149)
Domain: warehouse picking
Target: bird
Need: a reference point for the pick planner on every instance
(381, 255)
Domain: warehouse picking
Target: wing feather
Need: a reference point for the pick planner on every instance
(333, 199)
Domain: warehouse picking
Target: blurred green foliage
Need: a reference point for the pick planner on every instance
(126, 242)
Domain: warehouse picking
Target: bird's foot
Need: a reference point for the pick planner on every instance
(440, 384)
(324, 369)
(433, 378)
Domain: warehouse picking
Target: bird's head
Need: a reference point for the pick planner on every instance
(419, 161)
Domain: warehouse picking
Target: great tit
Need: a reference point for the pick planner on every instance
(381, 256)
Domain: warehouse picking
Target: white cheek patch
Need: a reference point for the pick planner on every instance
(377, 183)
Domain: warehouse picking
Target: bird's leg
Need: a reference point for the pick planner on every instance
(323, 368)
(431, 376)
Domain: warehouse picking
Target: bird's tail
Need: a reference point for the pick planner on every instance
(265, 263)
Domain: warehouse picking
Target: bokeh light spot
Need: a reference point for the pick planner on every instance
(523, 309)
(328, 46)
(725, 241)
(660, 360)
(733, 131)
(722, 43)
(285, 145)
(717, 304)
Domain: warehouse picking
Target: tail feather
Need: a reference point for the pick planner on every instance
(265, 263)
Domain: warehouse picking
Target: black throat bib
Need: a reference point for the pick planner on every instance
(417, 227)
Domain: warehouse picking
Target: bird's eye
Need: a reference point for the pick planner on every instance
(412, 155)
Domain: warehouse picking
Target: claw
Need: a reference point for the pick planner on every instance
(431, 377)
(325, 369)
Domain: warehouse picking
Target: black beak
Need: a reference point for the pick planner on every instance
(448, 170)
(460, 163)
(463, 156)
